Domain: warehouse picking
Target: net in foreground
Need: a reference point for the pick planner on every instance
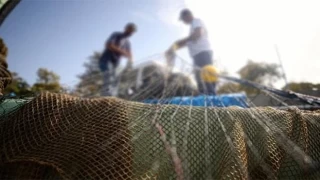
(58, 136)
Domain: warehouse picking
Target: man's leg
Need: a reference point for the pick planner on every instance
(200, 60)
(107, 75)
(113, 87)
(211, 88)
(200, 83)
(114, 65)
(103, 65)
(108, 66)
(106, 83)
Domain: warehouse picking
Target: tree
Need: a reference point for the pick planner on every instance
(305, 88)
(18, 86)
(47, 77)
(262, 73)
(229, 87)
(47, 81)
(91, 80)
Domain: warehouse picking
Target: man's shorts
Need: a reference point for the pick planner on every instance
(202, 59)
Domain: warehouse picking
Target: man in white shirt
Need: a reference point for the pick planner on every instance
(199, 48)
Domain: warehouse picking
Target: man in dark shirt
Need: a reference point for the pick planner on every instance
(117, 46)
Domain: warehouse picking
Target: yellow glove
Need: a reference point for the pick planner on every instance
(171, 50)
(174, 47)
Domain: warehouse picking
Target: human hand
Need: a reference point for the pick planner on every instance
(129, 64)
(126, 54)
(170, 56)
(171, 50)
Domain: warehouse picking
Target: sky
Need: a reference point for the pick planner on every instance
(61, 34)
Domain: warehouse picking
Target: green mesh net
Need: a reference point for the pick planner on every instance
(63, 137)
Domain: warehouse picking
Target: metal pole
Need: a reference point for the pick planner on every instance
(281, 65)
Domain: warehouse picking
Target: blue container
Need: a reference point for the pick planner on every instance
(225, 100)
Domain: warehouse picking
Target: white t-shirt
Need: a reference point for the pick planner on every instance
(201, 44)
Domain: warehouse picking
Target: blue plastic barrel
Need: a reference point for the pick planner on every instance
(224, 100)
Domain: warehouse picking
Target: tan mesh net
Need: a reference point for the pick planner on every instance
(5, 76)
(60, 136)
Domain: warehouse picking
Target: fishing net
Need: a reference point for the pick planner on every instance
(153, 80)
(58, 136)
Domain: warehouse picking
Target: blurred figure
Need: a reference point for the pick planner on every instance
(117, 46)
(199, 49)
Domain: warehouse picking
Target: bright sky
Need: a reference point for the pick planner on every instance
(61, 35)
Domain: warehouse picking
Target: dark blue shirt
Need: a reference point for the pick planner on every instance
(121, 41)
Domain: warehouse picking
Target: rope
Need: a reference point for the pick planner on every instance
(286, 94)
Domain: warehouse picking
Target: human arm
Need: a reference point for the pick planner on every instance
(128, 51)
(181, 43)
(176, 46)
(129, 57)
(111, 45)
(194, 36)
(196, 33)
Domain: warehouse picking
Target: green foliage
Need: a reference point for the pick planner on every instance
(262, 73)
(91, 80)
(47, 81)
(305, 88)
(18, 86)
(47, 77)
(229, 87)
(52, 87)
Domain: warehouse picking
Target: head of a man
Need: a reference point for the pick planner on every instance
(130, 29)
(186, 16)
